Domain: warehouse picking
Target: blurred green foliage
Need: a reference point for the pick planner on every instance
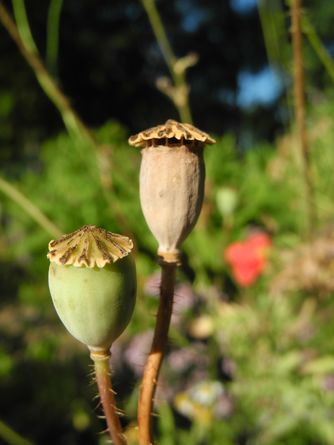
(249, 365)
(279, 385)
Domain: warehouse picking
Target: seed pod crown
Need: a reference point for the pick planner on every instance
(170, 133)
(89, 246)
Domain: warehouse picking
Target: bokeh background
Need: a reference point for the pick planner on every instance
(251, 352)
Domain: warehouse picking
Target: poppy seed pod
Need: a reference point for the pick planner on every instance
(92, 283)
(172, 177)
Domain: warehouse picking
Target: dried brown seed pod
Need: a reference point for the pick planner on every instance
(172, 177)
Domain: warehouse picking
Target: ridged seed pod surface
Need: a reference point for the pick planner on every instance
(172, 177)
(94, 304)
(171, 192)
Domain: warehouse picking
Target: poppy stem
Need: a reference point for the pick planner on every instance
(102, 374)
(154, 360)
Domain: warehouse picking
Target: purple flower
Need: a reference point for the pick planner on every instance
(328, 383)
(224, 406)
(194, 356)
(137, 350)
(184, 300)
(152, 285)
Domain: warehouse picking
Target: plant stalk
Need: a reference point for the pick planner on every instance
(154, 360)
(30, 208)
(180, 95)
(71, 120)
(21, 17)
(299, 106)
(12, 437)
(52, 41)
(314, 40)
(102, 375)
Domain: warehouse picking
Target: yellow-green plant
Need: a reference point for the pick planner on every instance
(92, 282)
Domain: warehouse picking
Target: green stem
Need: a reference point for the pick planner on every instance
(72, 121)
(160, 34)
(271, 18)
(317, 46)
(181, 96)
(299, 105)
(52, 39)
(11, 436)
(102, 375)
(30, 208)
(22, 21)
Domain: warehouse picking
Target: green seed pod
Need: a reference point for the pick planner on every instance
(92, 283)
(172, 177)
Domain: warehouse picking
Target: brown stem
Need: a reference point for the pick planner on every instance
(102, 374)
(299, 105)
(154, 360)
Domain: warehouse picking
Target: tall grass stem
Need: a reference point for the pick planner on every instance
(72, 121)
(52, 34)
(30, 208)
(23, 26)
(12, 437)
(299, 107)
(318, 47)
(179, 93)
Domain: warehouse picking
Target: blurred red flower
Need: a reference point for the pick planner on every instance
(248, 258)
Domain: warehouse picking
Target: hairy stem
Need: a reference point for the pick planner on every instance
(154, 360)
(30, 208)
(181, 96)
(299, 105)
(102, 375)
